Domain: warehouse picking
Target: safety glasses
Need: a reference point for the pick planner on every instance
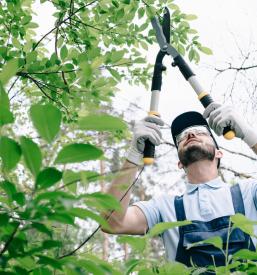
(196, 130)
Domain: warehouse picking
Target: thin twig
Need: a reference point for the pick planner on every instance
(66, 19)
(14, 82)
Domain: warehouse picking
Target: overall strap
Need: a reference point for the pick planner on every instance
(179, 208)
(237, 199)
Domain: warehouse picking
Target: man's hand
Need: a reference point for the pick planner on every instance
(148, 128)
(221, 116)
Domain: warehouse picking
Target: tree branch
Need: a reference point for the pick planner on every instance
(63, 21)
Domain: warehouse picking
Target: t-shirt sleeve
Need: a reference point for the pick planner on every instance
(151, 211)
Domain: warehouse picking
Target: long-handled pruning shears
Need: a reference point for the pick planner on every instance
(163, 39)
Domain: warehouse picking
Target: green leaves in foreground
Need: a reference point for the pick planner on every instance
(78, 152)
(47, 120)
(9, 70)
(163, 226)
(242, 222)
(32, 155)
(101, 122)
(10, 152)
(48, 177)
(5, 114)
(216, 241)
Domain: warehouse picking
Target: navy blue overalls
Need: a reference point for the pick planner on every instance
(204, 255)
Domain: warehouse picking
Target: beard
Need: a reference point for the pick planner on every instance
(195, 153)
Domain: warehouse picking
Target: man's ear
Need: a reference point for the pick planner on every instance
(218, 154)
(180, 165)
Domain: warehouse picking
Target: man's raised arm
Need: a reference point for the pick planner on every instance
(131, 220)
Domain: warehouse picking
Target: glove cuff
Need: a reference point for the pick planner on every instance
(250, 137)
(134, 156)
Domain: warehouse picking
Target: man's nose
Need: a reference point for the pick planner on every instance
(190, 135)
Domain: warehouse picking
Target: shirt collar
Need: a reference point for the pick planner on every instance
(215, 183)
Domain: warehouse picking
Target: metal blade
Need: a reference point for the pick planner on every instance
(165, 47)
(166, 25)
(159, 33)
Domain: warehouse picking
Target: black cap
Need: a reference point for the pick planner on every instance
(186, 120)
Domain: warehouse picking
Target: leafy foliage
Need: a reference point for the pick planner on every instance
(67, 92)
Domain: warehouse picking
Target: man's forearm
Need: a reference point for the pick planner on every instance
(118, 188)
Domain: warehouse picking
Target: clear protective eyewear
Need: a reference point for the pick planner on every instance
(196, 130)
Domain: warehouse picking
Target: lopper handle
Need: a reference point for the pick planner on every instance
(204, 97)
(149, 152)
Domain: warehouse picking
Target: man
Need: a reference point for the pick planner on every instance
(208, 202)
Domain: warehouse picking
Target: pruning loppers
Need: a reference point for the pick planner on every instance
(163, 39)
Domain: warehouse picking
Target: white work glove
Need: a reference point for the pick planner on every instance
(221, 116)
(148, 128)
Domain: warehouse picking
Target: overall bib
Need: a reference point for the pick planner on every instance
(206, 254)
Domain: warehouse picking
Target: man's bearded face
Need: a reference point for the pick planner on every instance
(195, 148)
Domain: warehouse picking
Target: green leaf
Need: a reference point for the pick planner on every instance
(246, 225)
(101, 201)
(42, 270)
(174, 268)
(47, 244)
(70, 178)
(19, 197)
(115, 74)
(181, 49)
(97, 62)
(4, 219)
(9, 188)
(206, 50)
(47, 120)
(131, 264)
(10, 152)
(64, 52)
(215, 241)
(5, 115)
(141, 12)
(48, 177)
(31, 57)
(62, 217)
(191, 54)
(53, 196)
(117, 56)
(137, 243)
(42, 228)
(32, 155)
(84, 214)
(49, 261)
(163, 226)
(101, 122)
(78, 152)
(91, 267)
(245, 254)
(9, 70)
